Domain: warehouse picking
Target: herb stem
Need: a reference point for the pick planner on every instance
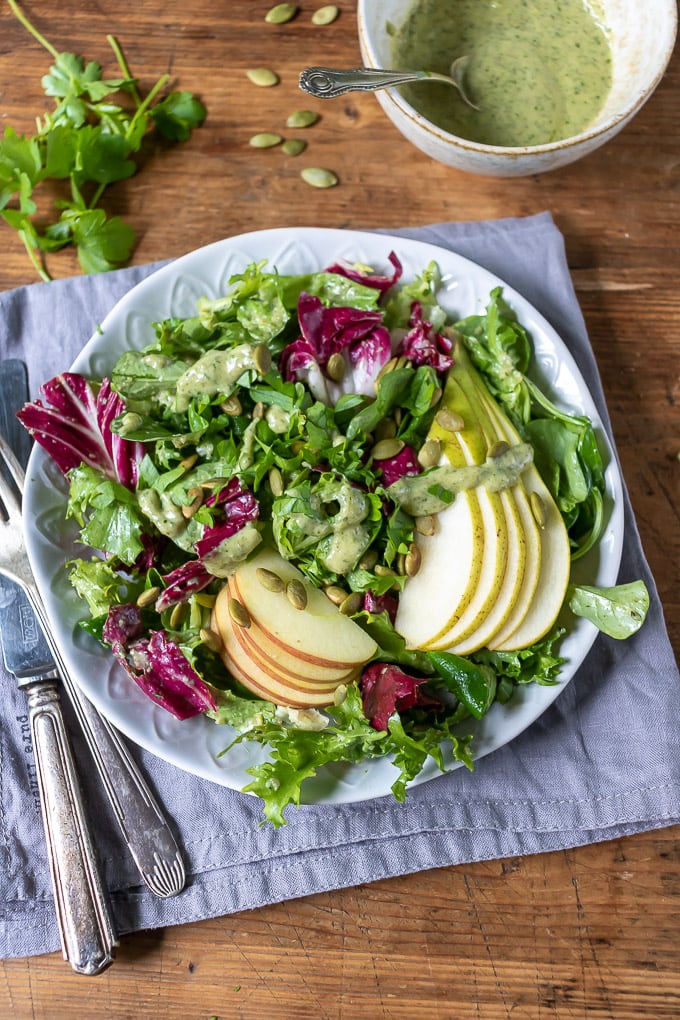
(123, 64)
(148, 99)
(37, 264)
(19, 14)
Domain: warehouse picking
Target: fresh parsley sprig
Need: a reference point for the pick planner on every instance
(87, 139)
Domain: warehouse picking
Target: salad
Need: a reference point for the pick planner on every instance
(297, 417)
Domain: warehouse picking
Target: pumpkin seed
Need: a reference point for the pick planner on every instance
(336, 594)
(335, 367)
(239, 613)
(385, 429)
(436, 397)
(319, 177)
(449, 420)
(296, 593)
(297, 447)
(262, 358)
(280, 14)
(325, 15)
(294, 146)
(214, 483)
(425, 525)
(412, 561)
(196, 499)
(302, 119)
(276, 481)
(498, 449)
(258, 411)
(352, 604)
(146, 598)
(269, 579)
(429, 453)
(537, 509)
(232, 406)
(386, 448)
(265, 140)
(188, 462)
(210, 639)
(339, 694)
(264, 77)
(368, 560)
(383, 571)
(177, 615)
(207, 601)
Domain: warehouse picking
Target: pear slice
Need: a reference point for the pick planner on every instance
(555, 557)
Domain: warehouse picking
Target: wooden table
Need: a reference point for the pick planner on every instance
(587, 932)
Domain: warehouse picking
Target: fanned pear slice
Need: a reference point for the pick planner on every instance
(451, 563)
(555, 566)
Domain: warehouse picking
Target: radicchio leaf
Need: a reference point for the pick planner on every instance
(183, 582)
(376, 604)
(369, 279)
(403, 463)
(74, 427)
(386, 689)
(236, 507)
(423, 345)
(123, 625)
(161, 669)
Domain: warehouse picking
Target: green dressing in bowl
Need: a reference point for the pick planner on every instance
(540, 70)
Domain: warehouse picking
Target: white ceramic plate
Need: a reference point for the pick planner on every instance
(172, 291)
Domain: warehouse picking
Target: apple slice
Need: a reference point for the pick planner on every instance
(318, 634)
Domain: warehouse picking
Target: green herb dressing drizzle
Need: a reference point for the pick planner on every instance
(540, 70)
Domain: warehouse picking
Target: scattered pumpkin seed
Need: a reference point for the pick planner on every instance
(262, 358)
(214, 483)
(264, 77)
(412, 560)
(339, 694)
(352, 604)
(336, 367)
(280, 14)
(336, 594)
(537, 509)
(368, 560)
(425, 525)
(265, 140)
(210, 639)
(148, 597)
(239, 613)
(189, 461)
(301, 119)
(383, 571)
(449, 420)
(297, 447)
(385, 429)
(232, 406)
(269, 579)
(429, 453)
(196, 499)
(498, 449)
(258, 411)
(296, 594)
(205, 600)
(276, 481)
(386, 448)
(436, 397)
(177, 615)
(325, 15)
(294, 146)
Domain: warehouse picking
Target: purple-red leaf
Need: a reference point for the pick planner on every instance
(369, 279)
(376, 604)
(236, 507)
(386, 689)
(181, 583)
(423, 345)
(403, 463)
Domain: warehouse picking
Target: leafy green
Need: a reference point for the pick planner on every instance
(107, 512)
(619, 611)
(96, 125)
(566, 452)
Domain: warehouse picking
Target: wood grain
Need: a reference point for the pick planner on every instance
(591, 932)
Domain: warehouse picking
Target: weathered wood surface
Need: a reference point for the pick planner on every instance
(590, 932)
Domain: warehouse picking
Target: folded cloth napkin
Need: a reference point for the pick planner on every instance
(602, 762)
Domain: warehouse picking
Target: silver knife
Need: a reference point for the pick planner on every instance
(146, 831)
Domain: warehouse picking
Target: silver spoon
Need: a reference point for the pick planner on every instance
(329, 82)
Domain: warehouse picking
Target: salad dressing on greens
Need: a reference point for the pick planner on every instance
(540, 70)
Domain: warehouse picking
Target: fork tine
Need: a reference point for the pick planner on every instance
(8, 495)
(8, 457)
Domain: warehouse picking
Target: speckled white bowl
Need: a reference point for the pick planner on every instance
(641, 34)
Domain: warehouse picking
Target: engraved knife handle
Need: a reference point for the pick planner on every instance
(145, 829)
(87, 933)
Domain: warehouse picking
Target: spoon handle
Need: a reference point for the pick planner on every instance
(328, 82)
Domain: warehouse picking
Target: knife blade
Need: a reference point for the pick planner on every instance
(83, 915)
(145, 828)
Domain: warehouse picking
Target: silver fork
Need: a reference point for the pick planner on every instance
(141, 820)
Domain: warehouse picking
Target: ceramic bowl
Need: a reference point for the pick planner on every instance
(641, 34)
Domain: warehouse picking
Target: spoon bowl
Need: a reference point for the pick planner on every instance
(329, 82)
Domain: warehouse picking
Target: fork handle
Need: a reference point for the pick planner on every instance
(144, 827)
(87, 934)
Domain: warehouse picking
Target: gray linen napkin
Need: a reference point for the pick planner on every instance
(602, 762)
